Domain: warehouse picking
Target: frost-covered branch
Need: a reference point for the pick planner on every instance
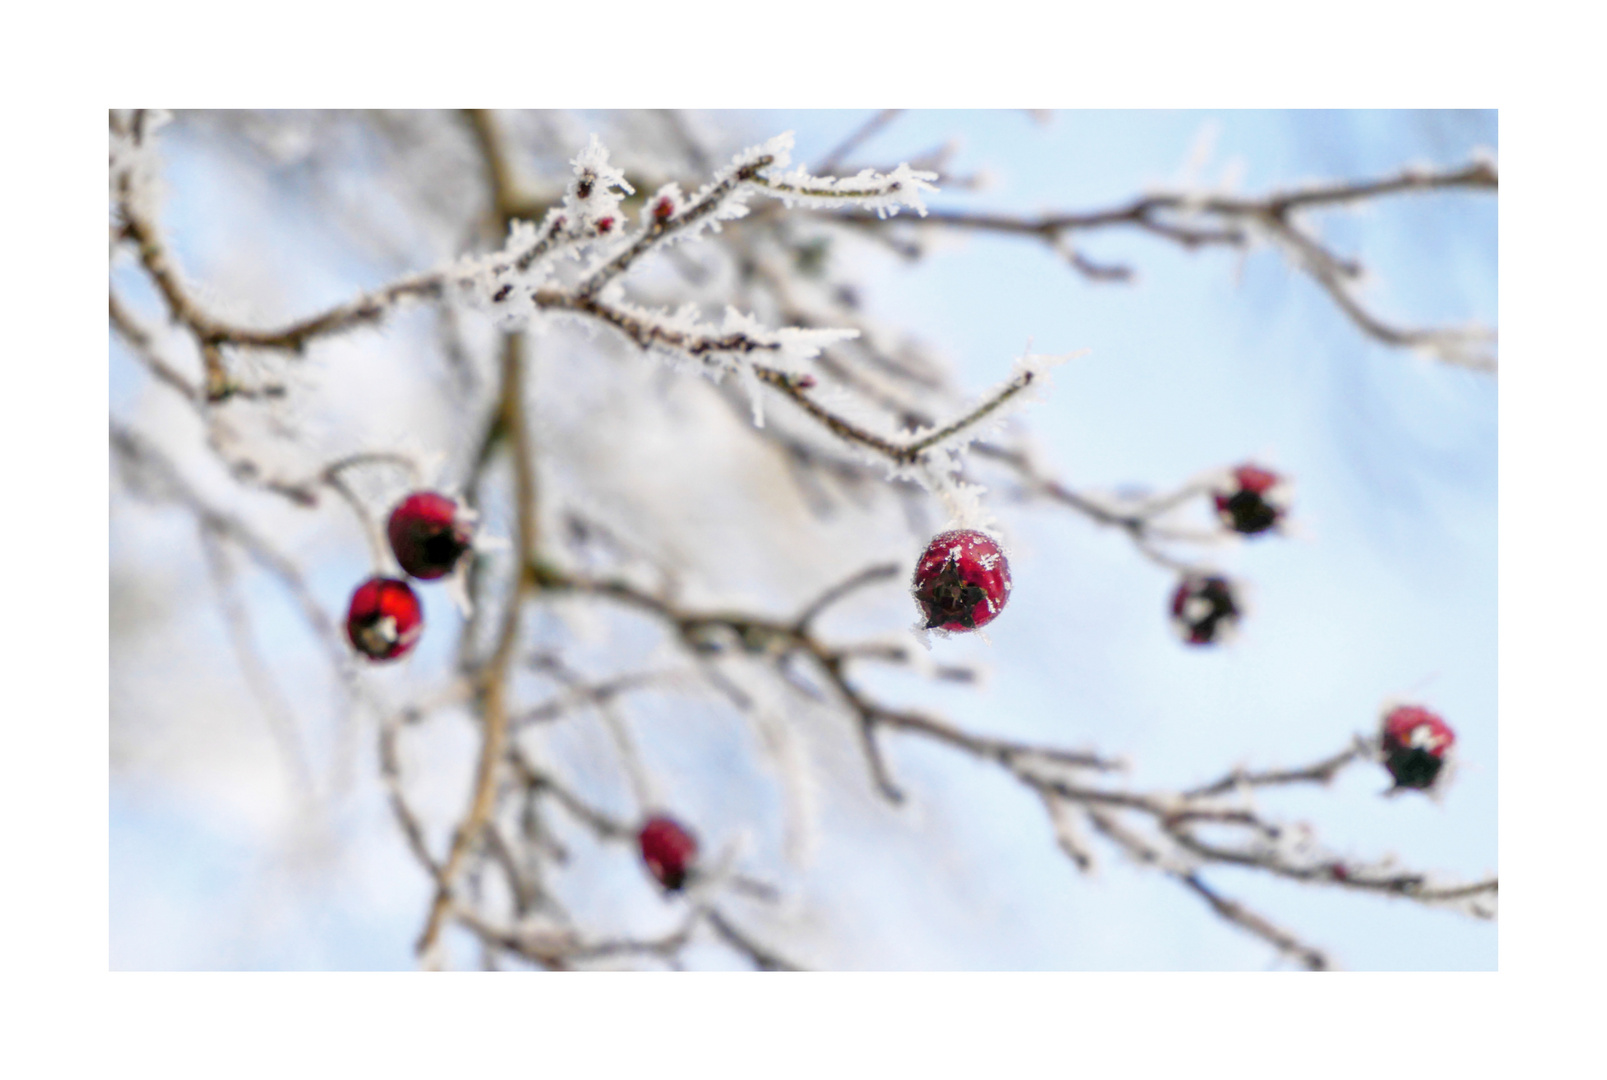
(753, 311)
(1176, 844)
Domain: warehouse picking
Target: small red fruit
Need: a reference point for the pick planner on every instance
(1204, 608)
(429, 534)
(1415, 743)
(384, 620)
(1254, 503)
(962, 581)
(668, 850)
(664, 209)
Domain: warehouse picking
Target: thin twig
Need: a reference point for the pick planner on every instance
(840, 152)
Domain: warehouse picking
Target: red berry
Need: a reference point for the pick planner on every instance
(962, 581)
(668, 850)
(429, 534)
(1415, 743)
(1253, 504)
(384, 620)
(1203, 608)
(605, 224)
(664, 209)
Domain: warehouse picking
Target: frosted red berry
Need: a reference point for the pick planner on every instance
(962, 581)
(664, 209)
(384, 620)
(429, 534)
(1204, 609)
(1253, 503)
(668, 849)
(1415, 743)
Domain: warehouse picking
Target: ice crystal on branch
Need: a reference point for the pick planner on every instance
(595, 192)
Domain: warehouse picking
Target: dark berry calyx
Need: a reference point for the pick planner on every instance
(1247, 512)
(962, 581)
(668, 850)
(429, 534)
(1254, 503)
(949, 598)
(1203, 608)
(1415, 743)
(384, 619)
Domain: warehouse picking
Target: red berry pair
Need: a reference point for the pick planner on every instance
(429, 533)
(1415, 744)
(1255, 502)
(962, 581)
(669, 851)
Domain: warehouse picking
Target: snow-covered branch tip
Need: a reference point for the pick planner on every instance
(589, 215)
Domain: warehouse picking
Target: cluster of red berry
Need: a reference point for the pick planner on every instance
(962, 582)
(429, 533)
(1206, 607)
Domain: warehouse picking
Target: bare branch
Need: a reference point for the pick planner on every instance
(1236, 913)
(494, 677)
(840, 152)
(868, 576)
(1194, 221)
(763, 958)
(1321, 772)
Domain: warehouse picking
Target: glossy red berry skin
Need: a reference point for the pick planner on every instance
(428, 534)
(962, 581)
(384, 620)
(1415, 743)
(1204, 609)
(668, 849)
(1252, 505)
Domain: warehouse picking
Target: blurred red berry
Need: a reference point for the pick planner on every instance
(664, 209)
(429, 534)
(605, 224)
(1254, 503)
(384, 620)
(1204, 608)
(962, 581)
(1415, 743)
(668, 850)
